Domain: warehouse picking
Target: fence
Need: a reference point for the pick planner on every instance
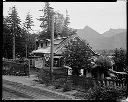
(80, 82)
(86, 83)
(12, 67)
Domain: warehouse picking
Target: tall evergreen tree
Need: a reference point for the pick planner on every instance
(59, 23)
(28, 22)
(13, 24)
(66, 30)
(7, 39)
(13, 18)
(28, 26)
(46, 20)
(120, 60)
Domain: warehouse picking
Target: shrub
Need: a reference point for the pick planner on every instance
(58, 83)
(102, 93)
(80, 95)
(44, 77)
(104, 62)
(67, 86)
(106, 93)
(120, 60)
(112, 93)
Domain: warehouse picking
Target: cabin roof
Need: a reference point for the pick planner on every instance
(59, 44)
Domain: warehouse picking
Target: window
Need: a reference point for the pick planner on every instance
(56, 62)
(37, 45)
(41, 44)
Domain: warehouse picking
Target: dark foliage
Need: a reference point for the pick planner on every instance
(67, 86)
(103, 62)
(11, 27)
(120, 59)
(77, 55)
(103, 93)
(17, 67)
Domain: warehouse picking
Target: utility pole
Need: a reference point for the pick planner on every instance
(13, 42)
(26, 49)
(35, 42)
(52, 45)
(27, 54)
(13, 31)
(27, 43)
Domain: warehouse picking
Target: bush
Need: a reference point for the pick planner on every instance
(58, 83)
(104, 62)
(44, 76)
(57, 79)
(80, 95)
(102, 93)
(106, 93)
(120, 60)
(67, 86)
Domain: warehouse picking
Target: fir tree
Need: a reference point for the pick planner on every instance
(46, 20)
(28, 26)
(120, 60)
(13, 24)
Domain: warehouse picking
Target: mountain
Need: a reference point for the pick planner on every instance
(90, 35)
(119, 40)
(114, 38)
(112, 32)
(88, 32)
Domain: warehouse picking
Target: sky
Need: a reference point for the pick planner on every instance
(100, 16)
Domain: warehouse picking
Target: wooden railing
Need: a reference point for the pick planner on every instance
(86, 83)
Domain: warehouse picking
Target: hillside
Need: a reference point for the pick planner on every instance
(90, 36)
(112, 32)
(114, 38)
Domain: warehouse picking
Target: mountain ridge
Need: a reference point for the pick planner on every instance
(113, 38)
(112, 32)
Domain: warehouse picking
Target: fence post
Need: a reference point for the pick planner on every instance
(115, 84)
(102, 82)
(121, 84)
(107, 82)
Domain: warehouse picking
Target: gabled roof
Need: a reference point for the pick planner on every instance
(42, 50)
(64, 42)
(59, 44)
